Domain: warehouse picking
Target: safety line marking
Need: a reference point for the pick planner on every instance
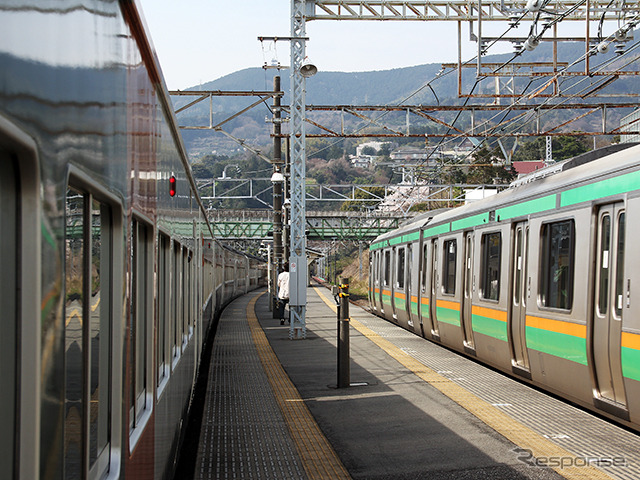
(319, 459)
(516, 432)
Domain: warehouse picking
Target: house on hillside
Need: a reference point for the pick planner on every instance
(412, 154)
(524, 168)
(361, 161)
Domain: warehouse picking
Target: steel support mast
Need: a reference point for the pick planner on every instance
(298, 255)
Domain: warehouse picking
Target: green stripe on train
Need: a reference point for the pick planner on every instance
(527, 208)
(489, 326)
(631, 363)
(472, 221)
(414, 308)
(430, 232)
(448, 315)
(604, 188)
(557, 344)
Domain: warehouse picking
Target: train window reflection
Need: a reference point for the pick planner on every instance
(176, 324)
(163, 285)
(9, 242)
(88, 326)
(140, 314)
(556, 279)
(491, 248)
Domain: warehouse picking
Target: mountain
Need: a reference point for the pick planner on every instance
(409, 86)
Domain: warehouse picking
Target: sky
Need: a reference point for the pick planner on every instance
(198, 41)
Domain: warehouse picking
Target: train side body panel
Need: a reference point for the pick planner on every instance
(113, 261)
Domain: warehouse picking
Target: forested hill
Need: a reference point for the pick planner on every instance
(386, 87)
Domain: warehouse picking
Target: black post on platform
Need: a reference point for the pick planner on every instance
(344, 374)
(278, 182)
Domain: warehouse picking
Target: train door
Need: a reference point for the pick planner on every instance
(398, 278)
(467, 288)
(433, 291)
(387, 292)
(518, 299)
(407, 283)
(372, 279)
(379, 278)
(423, 297)
(608, 303)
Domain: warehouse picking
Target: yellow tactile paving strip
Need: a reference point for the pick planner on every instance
(516, 432)
(319, 459)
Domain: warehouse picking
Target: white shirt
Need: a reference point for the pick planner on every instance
(283, 286)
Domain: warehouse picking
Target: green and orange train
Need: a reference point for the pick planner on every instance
(540, 281)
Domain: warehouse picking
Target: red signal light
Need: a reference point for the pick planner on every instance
(172, 185)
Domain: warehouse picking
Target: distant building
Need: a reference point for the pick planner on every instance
(361, 161)
(523, 168)
(630, 123)
(412, 154)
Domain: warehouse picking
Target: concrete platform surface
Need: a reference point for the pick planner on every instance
(419, 410)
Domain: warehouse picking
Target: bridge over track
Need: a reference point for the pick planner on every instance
(321, 225)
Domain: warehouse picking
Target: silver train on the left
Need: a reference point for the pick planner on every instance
(109, 278)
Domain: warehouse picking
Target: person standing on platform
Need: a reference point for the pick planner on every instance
(283, 291)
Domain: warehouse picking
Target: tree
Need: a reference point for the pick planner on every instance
(369, 150)
(562, 147)
(365, 193)
(489, 167)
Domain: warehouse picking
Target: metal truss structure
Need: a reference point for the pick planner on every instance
(368, 196)
(365, 223)
(606, 24)
(434, 118)
(209, 94)
(258, 225)
(444, 10)
(297, 114)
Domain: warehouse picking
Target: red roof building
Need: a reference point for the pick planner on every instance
(527, 167)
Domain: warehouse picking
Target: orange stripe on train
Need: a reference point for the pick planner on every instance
(557, 326)
(448, 304)
(489, 313)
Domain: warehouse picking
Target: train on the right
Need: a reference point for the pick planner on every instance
(541, 281)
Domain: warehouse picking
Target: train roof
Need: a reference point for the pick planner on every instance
(583, 169)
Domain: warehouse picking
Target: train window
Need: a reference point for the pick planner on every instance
(9, 241)
(605, 247)
(400, 268)
(490, 271)
(184, 297)
(88, 330)
(449, 249)
(139, 344)
(556, 279)
(163, 298)
(434, 271)
(387, 268)
(425, 249)
(620, 265)
(176, 322)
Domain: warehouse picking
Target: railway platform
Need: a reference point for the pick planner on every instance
(415, 410)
